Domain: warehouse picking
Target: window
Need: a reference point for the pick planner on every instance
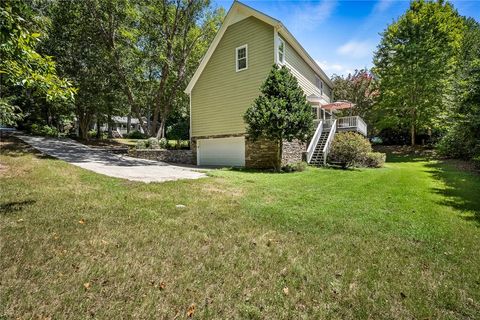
(241, 55)
(319, 84)
(281, 51)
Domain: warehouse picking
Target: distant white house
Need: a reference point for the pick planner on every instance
(119, 125)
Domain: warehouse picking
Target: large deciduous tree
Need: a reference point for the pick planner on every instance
(155, 46)
(281, 112)
(24, 71)
(360, 89)
(415, 62)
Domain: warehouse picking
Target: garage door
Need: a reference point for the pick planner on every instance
(221, 152)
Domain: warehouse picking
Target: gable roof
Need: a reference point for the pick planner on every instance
(239, 11)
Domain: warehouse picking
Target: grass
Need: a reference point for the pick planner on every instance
(399, 242)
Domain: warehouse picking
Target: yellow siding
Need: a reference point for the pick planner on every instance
(304, 74)
(221, 95)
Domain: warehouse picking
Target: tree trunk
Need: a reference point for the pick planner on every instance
(99, 133)
(109, 124)
(278, 162)
(129, 122)
(161, 129)
(412, 134)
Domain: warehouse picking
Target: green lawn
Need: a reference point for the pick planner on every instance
(400, 242)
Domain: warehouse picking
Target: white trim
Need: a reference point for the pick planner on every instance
(245, 46)
(232, 16)
(280, 40)
(275, 45)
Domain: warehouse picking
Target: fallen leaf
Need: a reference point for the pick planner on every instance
(179, 206)
(283, 272)
(285, 291)
(86, 285)
(81, 221)
(191, 310)
(20, 220)
(162, 285)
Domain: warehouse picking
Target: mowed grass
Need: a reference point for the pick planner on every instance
(400, 242)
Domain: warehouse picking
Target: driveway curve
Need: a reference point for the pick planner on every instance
(109, 164)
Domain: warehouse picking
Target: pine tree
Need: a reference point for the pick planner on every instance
(281, 112)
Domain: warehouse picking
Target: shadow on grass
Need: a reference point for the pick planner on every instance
(14, 206)
(14, 147)
(462, 188)
(398, 154)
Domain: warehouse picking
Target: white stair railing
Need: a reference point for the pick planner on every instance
(314, 141)
(331, 134)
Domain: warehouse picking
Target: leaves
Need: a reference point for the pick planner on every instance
(191, 310)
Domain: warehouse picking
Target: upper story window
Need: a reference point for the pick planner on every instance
(319, 84)
(281, 51)
(241, 58)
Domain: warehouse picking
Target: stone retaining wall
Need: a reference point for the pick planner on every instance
(293, 152)
(172, 156)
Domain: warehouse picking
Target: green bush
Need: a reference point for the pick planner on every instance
(375, 159)
(349, 149)
(45, 130)
(476, 162)
(163, 143)
(295, 167)
(152, 143)
(142, 144)
(136, 135)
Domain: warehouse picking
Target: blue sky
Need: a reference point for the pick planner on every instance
(341, 35)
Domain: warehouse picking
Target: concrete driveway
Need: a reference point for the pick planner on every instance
(112, 165)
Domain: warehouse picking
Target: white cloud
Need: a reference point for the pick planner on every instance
(382, 6)
(335, 68)
(309, 16)
(357, 49)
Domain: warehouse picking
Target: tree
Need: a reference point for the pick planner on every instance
(414, 63)
(281, 112)
(462, 139)
(158, 44)
(360, 89)
(24, 72)
(81, 56)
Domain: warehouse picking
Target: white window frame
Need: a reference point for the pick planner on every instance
(281, 41)
(245, 46)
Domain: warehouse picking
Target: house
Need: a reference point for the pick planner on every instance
(228, 80)
(120, 125)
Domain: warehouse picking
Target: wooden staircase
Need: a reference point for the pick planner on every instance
(320, 145)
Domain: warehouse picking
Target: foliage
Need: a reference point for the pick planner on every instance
(179, 130)
(142, 144)
(135, 135)
(415, 63)
(45, 130)
(23, 70)
(463, 137)
(281, 112)
(295, 167)
(375, 159)
(154, 49)
(153, 143)
(349, 149)
(360, 89)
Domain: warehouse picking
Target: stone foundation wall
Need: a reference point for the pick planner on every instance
(172, 156)
(293, 152)
(260, 154)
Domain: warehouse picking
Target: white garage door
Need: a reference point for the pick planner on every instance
(221, 152)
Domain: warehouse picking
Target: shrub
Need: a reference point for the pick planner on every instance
(163, 143)
(375, 159)
(136, 135)
(476, 162)
(295, 167)
(152, 143)
(45, 130)
(142, 144)
(349, 149)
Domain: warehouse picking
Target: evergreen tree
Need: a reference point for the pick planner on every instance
(281, 112)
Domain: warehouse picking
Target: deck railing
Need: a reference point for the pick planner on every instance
(352, 123)
(314, 141)
(331, 134)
